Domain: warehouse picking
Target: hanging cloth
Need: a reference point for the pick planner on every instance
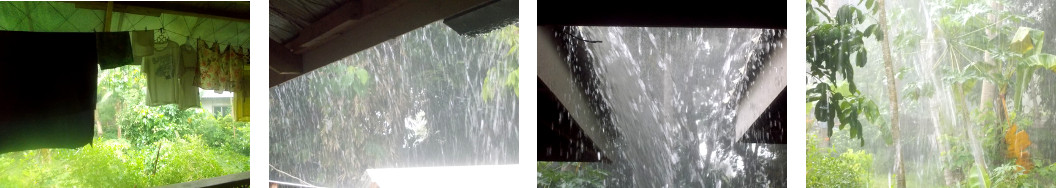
(114, 49)
(49, 90)
(161, 70)
(188, 81)
(142, 43)
(219, 70)
(234, 61)
(208, 66)
(241, 100)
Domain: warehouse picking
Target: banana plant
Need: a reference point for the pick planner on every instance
(1028, 42)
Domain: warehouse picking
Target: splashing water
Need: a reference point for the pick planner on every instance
(417, 100)
(670, 94)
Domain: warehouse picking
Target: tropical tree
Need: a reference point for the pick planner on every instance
(834, 47)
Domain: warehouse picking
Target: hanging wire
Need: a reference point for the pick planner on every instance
(294, 177)
(162, 32)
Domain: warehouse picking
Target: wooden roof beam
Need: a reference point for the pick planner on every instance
(157, 8)
(373, 29)
(334, 23)
(355, 26)
(283, 63)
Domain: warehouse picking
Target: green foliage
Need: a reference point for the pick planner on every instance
(835, 45)
(145, 125)
(838, 102)
(1047, 173)
(345, 79)
(161, 145)
(1010, 175)
(223, 133)
(357, 79)
(111, 158)
(958, 153)
(497, 81)
(115, 163)
(972, 43)
(978, 178)
(569, 174)
(503, 78)
(190, 159)
(1028, 42)
(850, 169)
(27, 169)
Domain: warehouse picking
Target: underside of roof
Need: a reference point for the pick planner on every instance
(287, 18)
(225, 23)
(728, 14)
(308, 34)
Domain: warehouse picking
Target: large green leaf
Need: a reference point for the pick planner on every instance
(1044, 60)
(846, 15)
(1028, 41)
(863, 57)
(869, 30)
(1021, 42)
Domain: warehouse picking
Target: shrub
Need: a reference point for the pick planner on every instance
(850, 169)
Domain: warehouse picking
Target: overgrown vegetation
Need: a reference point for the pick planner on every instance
(156, 145)
(972, 75)
(569, 174)
(835, 45)
(828, 168)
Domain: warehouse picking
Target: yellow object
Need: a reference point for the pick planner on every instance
(241, 101)
(1017, 141)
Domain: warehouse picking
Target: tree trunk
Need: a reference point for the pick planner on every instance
(989, 90)
(986, 100)
(98, 125)
(892, 95)
(117, 110)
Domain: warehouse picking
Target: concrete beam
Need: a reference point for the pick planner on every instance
(769, 84)
(554, 71)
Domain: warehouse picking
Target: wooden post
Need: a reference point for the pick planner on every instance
(109, 16)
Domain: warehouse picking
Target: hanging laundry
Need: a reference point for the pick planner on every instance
(162, 72)
(114, 49)
(207, 65)
(235, 69)
(49, 90)
(219, 69)
(189, 97)
(241, 86)
(142, 45)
